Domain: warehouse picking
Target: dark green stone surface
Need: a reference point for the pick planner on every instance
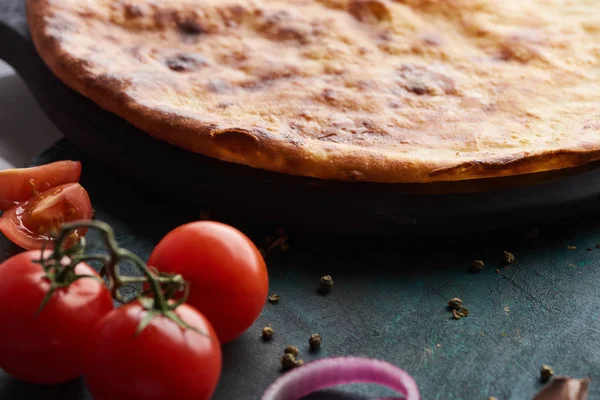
(389, 302)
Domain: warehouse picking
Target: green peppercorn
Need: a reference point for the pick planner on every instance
(508, 257)
(274, 298)
(455, 303)
(267, 333)
(315, 341)
(546, 372)
(460, 313)
(288, 361)
(455, 314)
(463, 312)
(293, 350)
(477, 266)
(325, 284)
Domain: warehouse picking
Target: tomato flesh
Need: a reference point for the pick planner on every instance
(164, 361)
(46, 348)
(32, 222)
(20, 184)
(228, 278)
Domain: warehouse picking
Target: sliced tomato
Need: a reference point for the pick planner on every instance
(33, 222)
(20, 184)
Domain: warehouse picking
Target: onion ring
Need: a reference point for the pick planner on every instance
(329, 372)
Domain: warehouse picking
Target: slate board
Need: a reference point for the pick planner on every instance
(305, 203)
(388, 301)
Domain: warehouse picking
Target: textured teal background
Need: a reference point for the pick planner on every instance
(389, 302)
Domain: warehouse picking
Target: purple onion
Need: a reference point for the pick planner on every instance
(323, 374)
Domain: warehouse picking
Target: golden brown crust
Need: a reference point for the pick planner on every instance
(373, 90)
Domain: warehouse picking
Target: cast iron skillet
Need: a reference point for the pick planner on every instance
(291, 201)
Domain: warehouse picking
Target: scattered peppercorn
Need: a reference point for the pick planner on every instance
(326, 284)
(274, 298)
(455, 314)
(589, 249)
(315, 341)
(455, 303)
(598, 246)
(546, 373)
(267, 333)
(572, 247)
(497, 271)
(288, 361)
(463, 312)
(293, 350)
(459, 313)
(508, 257)
(477, 266)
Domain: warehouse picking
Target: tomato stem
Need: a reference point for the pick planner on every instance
(64, 275)
(160, 302)
(59, 268)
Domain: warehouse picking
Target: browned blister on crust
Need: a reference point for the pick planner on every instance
(370, 90)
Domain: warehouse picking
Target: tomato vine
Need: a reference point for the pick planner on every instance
(159, 300)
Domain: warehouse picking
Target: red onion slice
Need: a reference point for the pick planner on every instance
(565, 388)
(323, 374)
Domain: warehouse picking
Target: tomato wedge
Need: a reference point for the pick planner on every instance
(32, 222)
(20, 184)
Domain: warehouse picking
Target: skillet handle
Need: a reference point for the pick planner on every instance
(14, 33)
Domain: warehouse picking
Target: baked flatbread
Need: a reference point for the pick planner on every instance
(369, 90)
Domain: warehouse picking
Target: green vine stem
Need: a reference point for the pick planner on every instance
(62, 275)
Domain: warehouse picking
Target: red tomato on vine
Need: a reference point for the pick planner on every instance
(45, 346)
(227, 274)
(162, 361)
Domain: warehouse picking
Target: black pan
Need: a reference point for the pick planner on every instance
(298, 202)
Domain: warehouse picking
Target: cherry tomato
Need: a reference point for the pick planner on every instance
(30, 223)
(18, 185)
(46, 348)
(227, 274)
(164, 361)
